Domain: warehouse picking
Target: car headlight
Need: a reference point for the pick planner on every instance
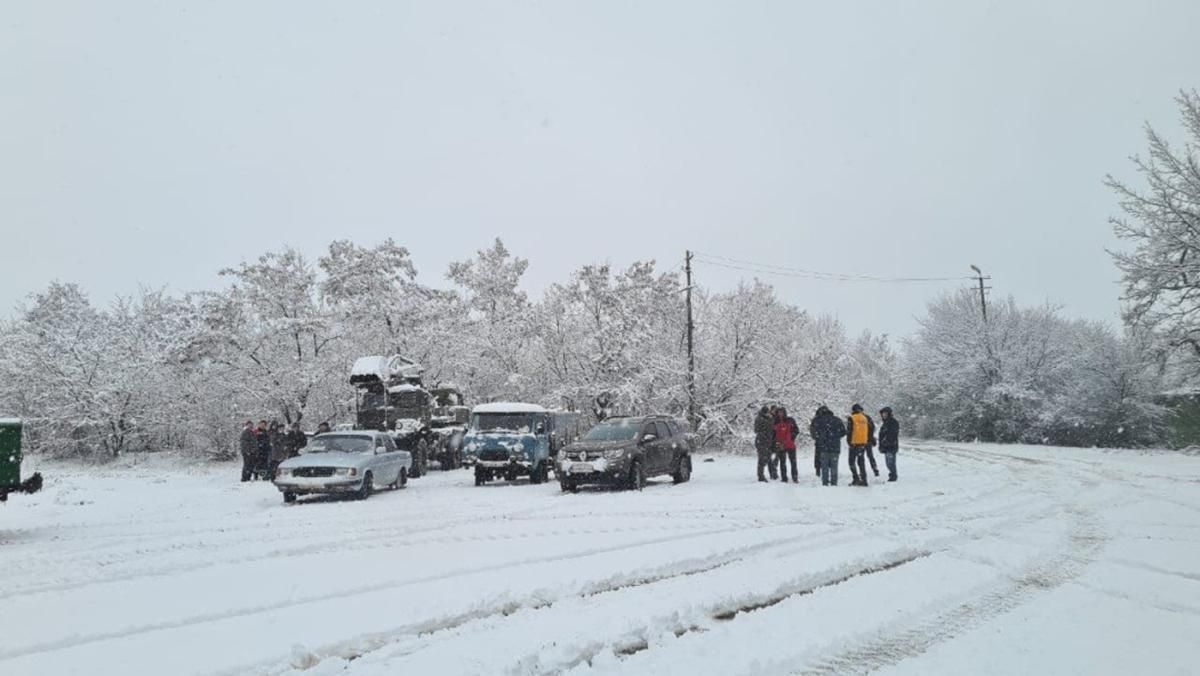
(614, 453)
(282, 473)
(346, 471)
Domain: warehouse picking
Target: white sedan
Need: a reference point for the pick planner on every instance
(344, 462)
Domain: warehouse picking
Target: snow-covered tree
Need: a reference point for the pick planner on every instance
(754, 349)
(1025, 375)
(276, 337)
(493, 335)
(1161, 222)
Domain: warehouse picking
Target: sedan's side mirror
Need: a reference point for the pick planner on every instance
(648, 437)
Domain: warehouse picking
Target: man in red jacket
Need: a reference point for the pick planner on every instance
(786, 431)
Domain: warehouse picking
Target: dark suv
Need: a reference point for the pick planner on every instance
(625, 452)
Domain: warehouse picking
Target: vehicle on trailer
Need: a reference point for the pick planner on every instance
(392, 398)
(10, 461)
(626, 451)
(448, 421)
(349, 463)
(507, 440)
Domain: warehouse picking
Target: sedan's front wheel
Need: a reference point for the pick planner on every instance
(368, 485)
(289, 498)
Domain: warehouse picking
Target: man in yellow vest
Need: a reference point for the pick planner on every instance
(860, 436)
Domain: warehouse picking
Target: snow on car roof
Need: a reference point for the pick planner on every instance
(10, 421)
(405, 387)
(508, 407)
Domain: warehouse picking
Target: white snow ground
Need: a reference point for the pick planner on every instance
(1005, 560)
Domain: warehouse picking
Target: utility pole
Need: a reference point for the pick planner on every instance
(691, 372)
(982, 292)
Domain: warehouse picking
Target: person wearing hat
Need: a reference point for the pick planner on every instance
(889, 440)
(860, 435)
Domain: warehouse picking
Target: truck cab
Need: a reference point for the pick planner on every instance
(10, 461)
(506, 440)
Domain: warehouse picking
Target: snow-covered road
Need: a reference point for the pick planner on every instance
(983, 559)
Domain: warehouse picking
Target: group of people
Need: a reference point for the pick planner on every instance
(775, 434)
(267, 445)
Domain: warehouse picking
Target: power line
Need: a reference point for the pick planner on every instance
(770, 269)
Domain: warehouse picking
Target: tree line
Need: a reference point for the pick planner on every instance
(156, 371)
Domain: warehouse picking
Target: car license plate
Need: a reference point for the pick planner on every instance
(582, 468)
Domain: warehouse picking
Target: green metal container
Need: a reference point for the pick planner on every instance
(10, 453)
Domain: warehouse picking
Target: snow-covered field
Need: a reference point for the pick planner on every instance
(981, 559)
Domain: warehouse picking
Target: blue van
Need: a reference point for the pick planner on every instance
(508, 440)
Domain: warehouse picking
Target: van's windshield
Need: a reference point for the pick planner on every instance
(506, 422)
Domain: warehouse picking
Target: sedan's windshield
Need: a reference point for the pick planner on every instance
(507, 422)
(340, 443)
(613, 431)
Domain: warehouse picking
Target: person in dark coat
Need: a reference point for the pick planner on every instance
(248, 445)
(296, 439)
(764, 442)
(889, 440)
(860, 435)
(786, 432)
(827, 432)
(263, 456)
(279, 447)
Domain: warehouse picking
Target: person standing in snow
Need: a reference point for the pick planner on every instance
(295, 440)
(786, 432)
(889, 440)
(764, 442)
(279, 447)
(860, 434)
(263, 438)
(827, 432)
(248, 445)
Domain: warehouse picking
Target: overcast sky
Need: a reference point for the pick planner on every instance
(155, 143)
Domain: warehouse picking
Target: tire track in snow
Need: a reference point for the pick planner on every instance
(342, 594)
(701, 565)
(359, 541)
(911, 640)
(637, 638)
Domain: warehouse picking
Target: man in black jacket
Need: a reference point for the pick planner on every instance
(263, 457)
(764, 443)
(889, 440)
(248, 445)
(295, 440)
(827, 431)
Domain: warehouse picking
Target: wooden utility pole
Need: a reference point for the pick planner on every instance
(982, 292)
(691, 372)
